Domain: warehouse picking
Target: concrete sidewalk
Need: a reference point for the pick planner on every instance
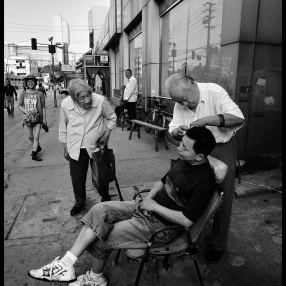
(38, 227)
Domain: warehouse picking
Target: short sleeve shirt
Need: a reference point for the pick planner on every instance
(187, 188)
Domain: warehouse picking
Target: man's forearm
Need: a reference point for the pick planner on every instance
(157, 187)
(176, 217)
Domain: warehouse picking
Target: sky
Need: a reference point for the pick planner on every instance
(26, 19)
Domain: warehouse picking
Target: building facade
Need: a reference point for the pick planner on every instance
(235, 43)
(21, 59)
(62, 38)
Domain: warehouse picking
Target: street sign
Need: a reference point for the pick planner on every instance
(68, 68)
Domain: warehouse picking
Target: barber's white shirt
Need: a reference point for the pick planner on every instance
(214, 100)
(131, 90)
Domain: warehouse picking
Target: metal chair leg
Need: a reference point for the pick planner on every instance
(198, 270)
(117, 256)
(139, 273)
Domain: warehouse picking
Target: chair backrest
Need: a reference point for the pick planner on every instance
(200, 227)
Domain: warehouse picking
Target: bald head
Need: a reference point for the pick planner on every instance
(183, 89)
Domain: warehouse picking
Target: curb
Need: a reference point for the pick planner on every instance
(243, 191)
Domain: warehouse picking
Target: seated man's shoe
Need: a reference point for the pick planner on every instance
(213, 256)
(55, 271)
(76, 209)
(129, 128)
(86, 280)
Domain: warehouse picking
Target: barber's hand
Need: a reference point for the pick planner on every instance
(181, 130)
(66, 154)
(199, 123)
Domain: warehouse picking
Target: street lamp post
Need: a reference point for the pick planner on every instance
(53, 76)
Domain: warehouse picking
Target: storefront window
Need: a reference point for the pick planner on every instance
(190, 40)
(135, 60)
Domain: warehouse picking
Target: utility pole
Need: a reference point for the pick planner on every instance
(52, 51)
(207, 20)
(187, 46)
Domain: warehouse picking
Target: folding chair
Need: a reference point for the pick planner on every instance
(189, 239)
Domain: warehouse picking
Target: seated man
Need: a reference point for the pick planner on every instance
(120, 108)
(180, 197)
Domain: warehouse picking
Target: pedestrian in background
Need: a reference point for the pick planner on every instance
(86, 121)
(9, 92)
(32, 104)
(24, 85)
(130, 95)
(42, 89)
(208, 104)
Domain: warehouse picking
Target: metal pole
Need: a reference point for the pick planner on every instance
(53, 78)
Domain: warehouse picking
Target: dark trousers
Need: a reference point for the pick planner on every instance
(131, 107)
(226, 153)
(10, 104)
(118, 110)
(78, 172)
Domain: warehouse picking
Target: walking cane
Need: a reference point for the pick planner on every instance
(118, 189)
(113, 171)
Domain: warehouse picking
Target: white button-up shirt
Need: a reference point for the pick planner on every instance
(131, 90)
(214, 100)
(82, 128)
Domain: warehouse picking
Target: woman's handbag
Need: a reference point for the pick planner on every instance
(101, 167)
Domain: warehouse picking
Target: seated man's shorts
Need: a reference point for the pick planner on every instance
(122, 225)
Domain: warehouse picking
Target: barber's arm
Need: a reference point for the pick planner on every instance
(222, 120)
(176, 217)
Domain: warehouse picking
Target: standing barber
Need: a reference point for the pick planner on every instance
(9, 91)
(208, 104)
(86, 121)
(130, 95)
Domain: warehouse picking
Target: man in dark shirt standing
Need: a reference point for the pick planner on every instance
(9, 90)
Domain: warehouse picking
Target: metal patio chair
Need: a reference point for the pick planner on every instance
(188, 240)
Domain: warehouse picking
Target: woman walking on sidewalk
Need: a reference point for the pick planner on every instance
(32, 104)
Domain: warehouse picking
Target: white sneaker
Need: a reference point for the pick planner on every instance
(85, 280)
(55, 271)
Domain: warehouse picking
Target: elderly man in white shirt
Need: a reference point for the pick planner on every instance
(208, 104)
(86, 121)
(130, 95)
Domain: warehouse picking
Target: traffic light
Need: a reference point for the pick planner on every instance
(60, 64)
(34, 43)
(52, 49)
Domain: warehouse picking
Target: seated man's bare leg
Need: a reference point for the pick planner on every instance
(84, 239)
